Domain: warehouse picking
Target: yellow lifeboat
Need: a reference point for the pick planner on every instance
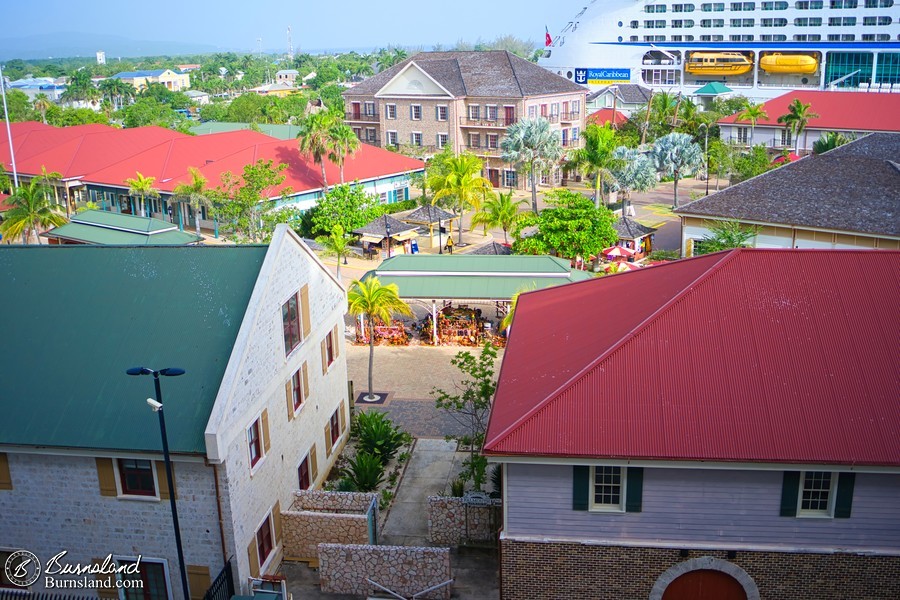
(718, 63)
(788, 63)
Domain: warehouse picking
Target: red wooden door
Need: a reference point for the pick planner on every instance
(355, 110)
(494, 177)
(509, 114)
(705, 585)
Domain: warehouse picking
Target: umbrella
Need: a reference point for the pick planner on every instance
(622, 267)
(618, 251)
(789, 158)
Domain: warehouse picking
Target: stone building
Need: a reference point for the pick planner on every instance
(465, 100)
(261, 411)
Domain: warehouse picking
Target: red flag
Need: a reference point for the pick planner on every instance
(547, 39)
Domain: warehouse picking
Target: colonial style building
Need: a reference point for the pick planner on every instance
(730, 434)
(173, 81)
(846, 198)
(465, 100)
(261, 411)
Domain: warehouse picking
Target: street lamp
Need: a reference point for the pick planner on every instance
(387, 231)
(706, 152)
(157, 407)
(431, 218)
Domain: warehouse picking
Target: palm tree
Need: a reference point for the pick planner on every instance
(336, 244)
(343, 143)
(633, 172)
(461, 179)
(797, 118)
(752, 114)
(194, 193)
(501, 212)
(830, 141)
(375, 301)
(675, 154)
(142, 187)
(531, 145)
(315, 138)
(49, 179)
(596, 157)
(31, 211)
(42, 104)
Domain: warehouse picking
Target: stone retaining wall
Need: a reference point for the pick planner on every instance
(451, 522)
(343, 569)
(324, 517)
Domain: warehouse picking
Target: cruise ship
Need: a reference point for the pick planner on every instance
(758, 49)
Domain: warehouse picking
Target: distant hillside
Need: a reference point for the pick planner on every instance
(59, 45)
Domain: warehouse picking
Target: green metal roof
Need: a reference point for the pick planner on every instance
(282, 132)
(76, 317)
(113, 229)
(474, 277)
(713, 88)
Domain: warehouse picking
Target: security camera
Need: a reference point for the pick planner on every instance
(156, 406)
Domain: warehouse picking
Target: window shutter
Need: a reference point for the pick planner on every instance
(163, 482)
(5, 478)
(336, 341)
(106, 475)
(313, 465)
(324, 357)
(410, 112)
(790, 489)
(289, 395)
(276, 521)
(581, 477)
(342, 417)
(304, 310)
(305, 382)
(253, 556)
(264, 420)
(437, 113)
(844, 501)
(328, 439)
(198, 581)
(634, 489)
(108, 590)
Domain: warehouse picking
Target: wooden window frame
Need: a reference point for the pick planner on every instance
(335, 425)
(595, 506)
(413, 109)
(390, 112)
(137, 492)
(307, 467)
(156, 562)
(828, 513)
(264, 531)
(292, 324)
(261, 443)
(442, 108)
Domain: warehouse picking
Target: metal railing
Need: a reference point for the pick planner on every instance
(498, 122)
(483, 150)
(222, 587)
(358, 116)
(13, 594)
(570, 116)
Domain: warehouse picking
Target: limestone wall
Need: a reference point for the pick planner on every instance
(324, 517)
(450, 522)
(343, 569)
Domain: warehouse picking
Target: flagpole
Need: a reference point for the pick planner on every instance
(12, 154)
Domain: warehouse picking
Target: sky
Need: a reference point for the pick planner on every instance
(237, 24)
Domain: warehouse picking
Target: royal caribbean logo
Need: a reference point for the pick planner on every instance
(602, 76)
(22, 568)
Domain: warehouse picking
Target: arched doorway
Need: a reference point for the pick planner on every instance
(705, 584)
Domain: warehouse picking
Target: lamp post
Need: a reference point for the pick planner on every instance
(157, 407)
(431, 218)
(706, 152)
(387, 231)
(12, 152)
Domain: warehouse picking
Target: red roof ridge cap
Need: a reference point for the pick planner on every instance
(726, 258)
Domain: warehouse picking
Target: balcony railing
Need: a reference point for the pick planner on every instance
(358, 116)
(568, 117)
(372, 141)
(500, 122)
(483, 151)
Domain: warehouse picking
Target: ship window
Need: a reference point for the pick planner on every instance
(677, 38)
(634, 25)
(813, 37)
(774, 5)
(661, 76)
(654, 38)
(655, 8)
(743, 22)
(843, 3)
(712, 38)
(633, 38)
(713, 7)
(655, 24)
(740, 38)
(773, 38)
(743, 6)
(879, 3)
(712, 23)
(841, 21)
(808, 21)
(682, 8)
(774, 22)
(809, 5)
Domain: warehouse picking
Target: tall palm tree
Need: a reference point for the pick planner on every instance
(142, 188)
(531, 145)
(596, 158)
(375, 301)
(50, 179)
(830, 141)
(42, 104)
(634, 172)
(336, 244)
(31, 211)
(462, 181)
(315, 138)
(752, 114)
(675, 154)
(343, 143)
(194, 193)
(797, 118)
(502, 212)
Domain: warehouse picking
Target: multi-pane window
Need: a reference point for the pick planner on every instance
(808, 21)
(844, 3)
(743, 22)
(774, 5)
(634, 24)
(879, 3)
(442, 139)
(136, 477)
(335, 425)
(740, 38)
(816, 493)
(682, 8)
(679, 23)
(254, 442)
(743, 6)
(510, 179)
(297, 389)
(474, 140)
(415, 138)
(654, 38)
(877, 21)
(841, 21)
(809, 5)
(264, 544)
(773, 22)
(575, 133)
(441, 113)
(392, 138)
(532, 112)
(773, 38)
(492, 140)
(474, 112)
(290, 321)
(743, 135)
(713, 7)
(712, 38)
(813, 37)
(490, 112)
(329, 349)
(151, 574)
(712, 23)
(390, 111)
(785, 137)
(655, 8)
(608, 488)
(303, 474)
(371, 136)
(576, 107)
(415, 112)
(654, 24)
(369, 109)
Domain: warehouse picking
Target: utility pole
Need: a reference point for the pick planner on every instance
(12, 153)
(290, 45)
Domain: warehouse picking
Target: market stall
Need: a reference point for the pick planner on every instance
(635, 237)
(435, 218)
(394, 334)
(388, 236)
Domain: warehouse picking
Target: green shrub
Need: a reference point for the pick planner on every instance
(457, 487)
(378, 435)
(497, 479)
(365, 471)
(664, 255)
(385, 501)
(345, 485)
(400, 206)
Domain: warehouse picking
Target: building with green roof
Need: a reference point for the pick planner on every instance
(264, 397)
(99, 227)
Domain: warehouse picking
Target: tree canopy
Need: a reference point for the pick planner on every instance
(346, 206)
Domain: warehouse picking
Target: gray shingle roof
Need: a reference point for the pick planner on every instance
(428, 214)
(629, 229)
(496, 73)
(377, 227)
(492, 248)
(852, 188)
(629, 93)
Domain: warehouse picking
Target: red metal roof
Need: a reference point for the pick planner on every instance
(748, 355)
(844, 111)
(606, 115)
